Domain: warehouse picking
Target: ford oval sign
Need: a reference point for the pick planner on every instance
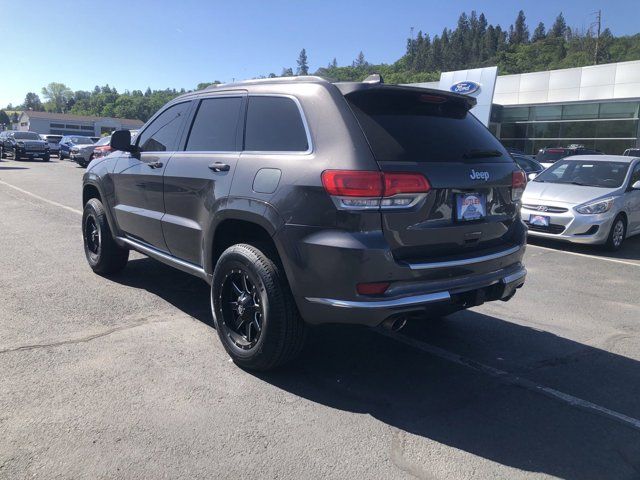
(465, 87)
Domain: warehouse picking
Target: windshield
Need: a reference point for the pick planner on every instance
(103, 141)
(81, 140)
(422, 127)
(586, 173)
(26, 136)
(53, 138)
(551, 155)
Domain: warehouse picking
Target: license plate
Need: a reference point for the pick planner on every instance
(471, 206)
(539, 220)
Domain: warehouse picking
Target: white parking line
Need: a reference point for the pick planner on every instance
(595, 257)
(513, 379)
(42, 199)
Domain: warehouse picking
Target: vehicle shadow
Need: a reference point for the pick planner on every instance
(3, 167)
(430, 402)
(630, 249)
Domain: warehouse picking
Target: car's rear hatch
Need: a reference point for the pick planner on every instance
(469, 210)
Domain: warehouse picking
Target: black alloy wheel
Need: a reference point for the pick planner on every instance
(242, 310)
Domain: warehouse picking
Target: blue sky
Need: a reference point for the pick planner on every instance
(137, 44)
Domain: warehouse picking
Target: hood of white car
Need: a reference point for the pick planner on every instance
(563, 193)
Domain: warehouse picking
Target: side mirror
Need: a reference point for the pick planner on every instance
(636, 185)
(121, 140)
(532, 175)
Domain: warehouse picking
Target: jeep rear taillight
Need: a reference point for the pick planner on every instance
(518, 183)
(359, 190)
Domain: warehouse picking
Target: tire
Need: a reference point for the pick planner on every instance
(60, 156)
(267, 303)
(16, 157)
(617, 234)
(3, 155)
(46, 158)
(105, 256)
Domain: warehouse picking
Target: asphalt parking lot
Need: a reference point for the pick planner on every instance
(125, 378)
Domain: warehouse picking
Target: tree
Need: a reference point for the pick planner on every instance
(360, 61)
(303, 66)
(559, 27)
(57, 94)
(4, 119)
(519, 33)
(32, 102)
(333, 63)
(287, 72)
(539, 33)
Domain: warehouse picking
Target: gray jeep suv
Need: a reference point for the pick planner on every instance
(305, 202)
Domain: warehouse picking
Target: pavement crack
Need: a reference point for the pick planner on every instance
(84, 339)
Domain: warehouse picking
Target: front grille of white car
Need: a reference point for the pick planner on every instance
(545, 208)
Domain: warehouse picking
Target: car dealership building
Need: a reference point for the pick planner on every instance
(595, 106)
(65, 124)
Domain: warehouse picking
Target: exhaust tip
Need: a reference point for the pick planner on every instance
(394, 324)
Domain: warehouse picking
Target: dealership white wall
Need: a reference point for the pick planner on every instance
(598, 82)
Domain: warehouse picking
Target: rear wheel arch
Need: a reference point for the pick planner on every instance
(233, 230)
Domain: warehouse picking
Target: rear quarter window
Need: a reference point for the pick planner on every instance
(274, 124)
(422, 127)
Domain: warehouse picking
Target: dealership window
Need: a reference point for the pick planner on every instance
(72, 127)
(580, 111)
(546, 112)
(57, 125)
(515, 114)
(619, 110)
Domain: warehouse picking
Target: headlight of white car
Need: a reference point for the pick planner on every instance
(594, 208)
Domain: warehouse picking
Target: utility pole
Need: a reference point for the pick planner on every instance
(598, 25)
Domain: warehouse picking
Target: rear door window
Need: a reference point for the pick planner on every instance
(407, 126)
(274, 124)
(215, 126)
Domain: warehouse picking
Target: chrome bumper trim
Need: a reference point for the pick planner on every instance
(514, 277)
(465, 261)
(394, 303)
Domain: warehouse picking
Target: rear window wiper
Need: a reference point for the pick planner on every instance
(482, 153)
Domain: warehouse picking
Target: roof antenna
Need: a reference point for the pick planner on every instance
(375, 78)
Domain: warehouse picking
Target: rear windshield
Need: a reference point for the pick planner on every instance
(407, 126)
(53, 138)
(551, 155)
(26, 136)
(586, 173)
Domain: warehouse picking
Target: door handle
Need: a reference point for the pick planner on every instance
(220, 167)
(154, 165)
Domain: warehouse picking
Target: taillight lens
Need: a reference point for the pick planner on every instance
(357, 189)
(352, 183)
(518, 183)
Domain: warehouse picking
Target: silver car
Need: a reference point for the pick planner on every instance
(591, 199)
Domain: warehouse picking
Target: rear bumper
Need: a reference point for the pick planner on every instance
(373, 312)
(327, 266)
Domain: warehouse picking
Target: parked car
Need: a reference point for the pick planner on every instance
(302, 201)
(82, 154)
(54, 143)
(102, 148)
(24, 145)
(69, 141)
(95, 139)
(591, 199)
(632, 152)
(3, 134)
(548, 156)
(527, 163)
